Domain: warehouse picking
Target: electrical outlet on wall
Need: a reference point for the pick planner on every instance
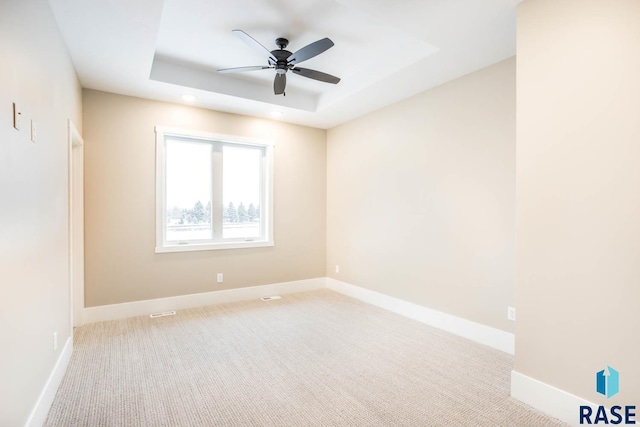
(511, 313)
(220, 277)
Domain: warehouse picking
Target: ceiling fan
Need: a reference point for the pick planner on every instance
(282, 61)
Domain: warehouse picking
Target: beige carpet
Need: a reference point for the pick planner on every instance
(310, 359)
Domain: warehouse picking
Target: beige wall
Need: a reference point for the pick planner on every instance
(578, 174)
(421, 198)
(120, 261)
(35, 72)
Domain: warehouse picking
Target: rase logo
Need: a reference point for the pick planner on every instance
(608, 384)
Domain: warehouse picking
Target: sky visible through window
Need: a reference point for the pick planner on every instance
(188, 173)
(241, 175)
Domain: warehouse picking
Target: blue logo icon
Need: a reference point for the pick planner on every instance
(608, 382)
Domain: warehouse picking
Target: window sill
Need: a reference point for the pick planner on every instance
(213, 246)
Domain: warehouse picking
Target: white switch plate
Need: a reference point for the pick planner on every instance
(34, 131)
(511, 313)
(55, 341)
(219, 277)
(337, 268)
(16, 116)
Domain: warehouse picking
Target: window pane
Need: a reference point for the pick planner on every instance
(241, 192)
(188, 190)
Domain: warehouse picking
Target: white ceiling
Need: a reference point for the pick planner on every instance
(384, 51)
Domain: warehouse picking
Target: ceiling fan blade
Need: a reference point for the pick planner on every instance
(310, 50)
(254, 44)
(316, 75)
(242, 69)
(279, 84)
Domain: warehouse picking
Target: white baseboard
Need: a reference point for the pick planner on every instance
(48, 393)
(141, 308)
(477, 332)
(548, 399)
(487, 335)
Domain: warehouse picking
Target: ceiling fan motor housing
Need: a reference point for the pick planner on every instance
(281, 56)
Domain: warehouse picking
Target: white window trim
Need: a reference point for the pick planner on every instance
(164, 247)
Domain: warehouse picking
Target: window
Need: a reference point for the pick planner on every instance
(212, 192)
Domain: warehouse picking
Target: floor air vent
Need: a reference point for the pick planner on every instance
(271, 298)
(163, 314)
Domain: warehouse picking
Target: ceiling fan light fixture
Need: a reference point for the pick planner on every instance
(282, 61)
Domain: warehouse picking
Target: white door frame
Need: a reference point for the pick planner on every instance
(76, 227)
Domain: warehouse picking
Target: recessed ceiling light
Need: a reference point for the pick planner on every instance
(276, 114)
(188, 97)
